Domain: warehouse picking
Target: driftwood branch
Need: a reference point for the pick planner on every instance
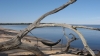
(16, 41)
(84, 42)
(85, 27)
(69, 41)
(71, 27)
(32, 26)
(65, 26)
(54, 11)
(65, 35)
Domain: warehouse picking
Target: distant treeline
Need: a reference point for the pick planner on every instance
(15, 23)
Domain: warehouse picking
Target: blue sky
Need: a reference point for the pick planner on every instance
(20, 11)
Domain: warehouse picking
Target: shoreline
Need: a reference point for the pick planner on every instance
(6, 34)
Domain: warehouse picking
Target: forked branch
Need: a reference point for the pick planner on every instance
(68, 42)
(71, 27)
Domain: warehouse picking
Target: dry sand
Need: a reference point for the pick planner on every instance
(6, 34)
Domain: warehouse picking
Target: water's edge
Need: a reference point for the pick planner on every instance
(55, 33)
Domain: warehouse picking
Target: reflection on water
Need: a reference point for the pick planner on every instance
(54, 33)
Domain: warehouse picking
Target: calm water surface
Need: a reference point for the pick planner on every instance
(54, 33)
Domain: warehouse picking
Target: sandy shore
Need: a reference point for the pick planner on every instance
(6, 34)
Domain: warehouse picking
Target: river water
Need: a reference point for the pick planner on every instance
(55, 33)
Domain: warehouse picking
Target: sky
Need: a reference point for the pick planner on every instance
(27, 11)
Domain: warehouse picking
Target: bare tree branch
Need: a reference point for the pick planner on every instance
(54, 11)
(66, 25)
(65, 35)
(84, 42)
(68, 43)
(17, 40)
(70, 27)
(85, 27)
(68, 40)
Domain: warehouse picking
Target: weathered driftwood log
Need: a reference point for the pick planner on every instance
(74, 29)
(16, 41)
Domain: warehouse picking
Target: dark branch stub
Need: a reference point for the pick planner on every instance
(73, 36)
